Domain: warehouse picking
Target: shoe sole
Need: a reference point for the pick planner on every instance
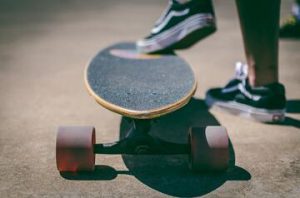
(258, 114)
(182, 36)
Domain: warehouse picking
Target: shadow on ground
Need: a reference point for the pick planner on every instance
(292, 107)
(170, 174)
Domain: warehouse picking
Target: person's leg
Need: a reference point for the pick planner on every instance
(259, 20)
(255, 92)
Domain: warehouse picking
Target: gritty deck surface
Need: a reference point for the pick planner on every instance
(139, 84)
(44, 47)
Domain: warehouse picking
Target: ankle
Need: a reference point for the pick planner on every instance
(261, 82)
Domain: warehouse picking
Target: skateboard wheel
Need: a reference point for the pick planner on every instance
(209, 148)
(75, 148)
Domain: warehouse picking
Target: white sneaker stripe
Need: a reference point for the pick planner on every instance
(230, 89)
(248, 94)
(168, 18)
(199, 18)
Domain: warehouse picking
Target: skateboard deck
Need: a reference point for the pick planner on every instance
(139, 85)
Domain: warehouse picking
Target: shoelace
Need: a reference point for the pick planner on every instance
(241, 74)
(241, 71)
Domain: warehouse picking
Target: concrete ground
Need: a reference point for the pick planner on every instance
(44, 46)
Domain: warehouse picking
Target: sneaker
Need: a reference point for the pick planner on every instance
(180, 26)
(291, 28)
(264, 104)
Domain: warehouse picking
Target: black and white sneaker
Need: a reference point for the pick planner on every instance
(180, 26)
(264, 104)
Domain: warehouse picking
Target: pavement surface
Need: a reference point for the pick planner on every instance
(44, 47)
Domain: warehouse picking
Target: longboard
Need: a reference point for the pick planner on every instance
(141, 87)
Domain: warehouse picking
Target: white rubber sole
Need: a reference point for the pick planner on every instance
(261, 115)
(175, 34)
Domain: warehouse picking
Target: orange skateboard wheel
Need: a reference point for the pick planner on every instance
(75, 148)
(209, 148)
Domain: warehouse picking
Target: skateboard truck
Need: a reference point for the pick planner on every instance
(207, 147)
(138, 141)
